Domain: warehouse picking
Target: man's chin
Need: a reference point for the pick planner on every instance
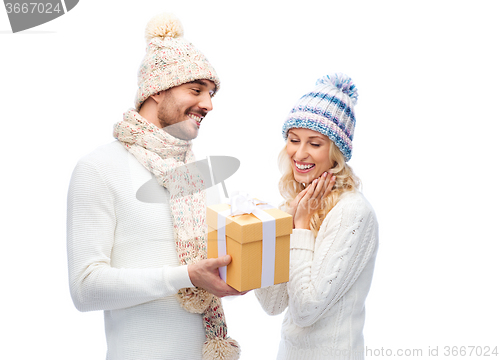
(182, 133)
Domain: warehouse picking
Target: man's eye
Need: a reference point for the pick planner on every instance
(196, 90)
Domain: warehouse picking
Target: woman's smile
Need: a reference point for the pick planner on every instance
(302, 167)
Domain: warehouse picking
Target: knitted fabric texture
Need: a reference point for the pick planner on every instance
(330, 277)
(165, 156)
(329, 110)
(170, 59)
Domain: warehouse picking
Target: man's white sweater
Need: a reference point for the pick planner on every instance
(122, 259)
(330, 277)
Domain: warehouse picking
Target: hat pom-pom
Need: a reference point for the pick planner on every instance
(164, 25)
(343, 83)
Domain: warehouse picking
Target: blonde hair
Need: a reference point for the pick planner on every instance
(346, 181)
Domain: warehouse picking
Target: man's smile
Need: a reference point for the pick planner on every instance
(196, 117)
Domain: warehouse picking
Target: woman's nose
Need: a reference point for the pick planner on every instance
(302, 153)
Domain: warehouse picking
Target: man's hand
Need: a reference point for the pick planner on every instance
(205, 275)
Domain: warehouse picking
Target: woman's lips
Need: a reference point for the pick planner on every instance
(303, 171)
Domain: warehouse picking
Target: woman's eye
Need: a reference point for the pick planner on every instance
(294, 140)
(316, 145)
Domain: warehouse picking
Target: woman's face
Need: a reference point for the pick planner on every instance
(308, 151)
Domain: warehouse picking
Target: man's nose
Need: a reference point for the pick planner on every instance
(206, 103)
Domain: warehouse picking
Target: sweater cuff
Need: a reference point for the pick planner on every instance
(177, 277)
(301, 246)
(302, 239)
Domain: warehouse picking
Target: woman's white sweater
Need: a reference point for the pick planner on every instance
(330, 277)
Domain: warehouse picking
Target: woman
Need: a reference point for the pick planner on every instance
(335, 236)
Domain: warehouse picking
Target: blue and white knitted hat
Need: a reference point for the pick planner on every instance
(328, 109)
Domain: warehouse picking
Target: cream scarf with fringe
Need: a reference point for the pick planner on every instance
(165, 155)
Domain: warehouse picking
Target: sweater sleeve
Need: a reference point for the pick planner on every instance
(322, 270)
(94, 284)
(273, 299)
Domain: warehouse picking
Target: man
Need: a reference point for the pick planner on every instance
(142, 262)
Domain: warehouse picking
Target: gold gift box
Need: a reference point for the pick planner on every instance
(244, 244)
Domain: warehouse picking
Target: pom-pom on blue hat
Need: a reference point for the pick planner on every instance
(329, 110)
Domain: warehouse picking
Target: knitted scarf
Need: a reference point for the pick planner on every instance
(165, 157)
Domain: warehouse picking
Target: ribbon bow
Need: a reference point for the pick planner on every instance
(242, 203)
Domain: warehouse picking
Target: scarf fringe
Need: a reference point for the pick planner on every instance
(221, 349)
(194, 300)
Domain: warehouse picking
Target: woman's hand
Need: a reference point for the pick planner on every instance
(309, 200)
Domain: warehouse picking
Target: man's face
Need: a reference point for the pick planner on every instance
(181, 109)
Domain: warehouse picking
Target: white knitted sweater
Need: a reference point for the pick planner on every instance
(122, 259)
(330, 277)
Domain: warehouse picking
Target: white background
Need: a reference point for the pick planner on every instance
(425, 148)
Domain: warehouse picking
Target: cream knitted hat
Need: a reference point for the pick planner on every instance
(170, 59)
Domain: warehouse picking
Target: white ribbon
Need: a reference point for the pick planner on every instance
(242, 203)
(221, 240)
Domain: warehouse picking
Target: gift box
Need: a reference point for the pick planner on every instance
(258, 240)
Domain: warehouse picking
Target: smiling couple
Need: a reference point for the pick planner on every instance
(145, 264)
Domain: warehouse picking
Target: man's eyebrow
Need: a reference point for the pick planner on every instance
(202, 83)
